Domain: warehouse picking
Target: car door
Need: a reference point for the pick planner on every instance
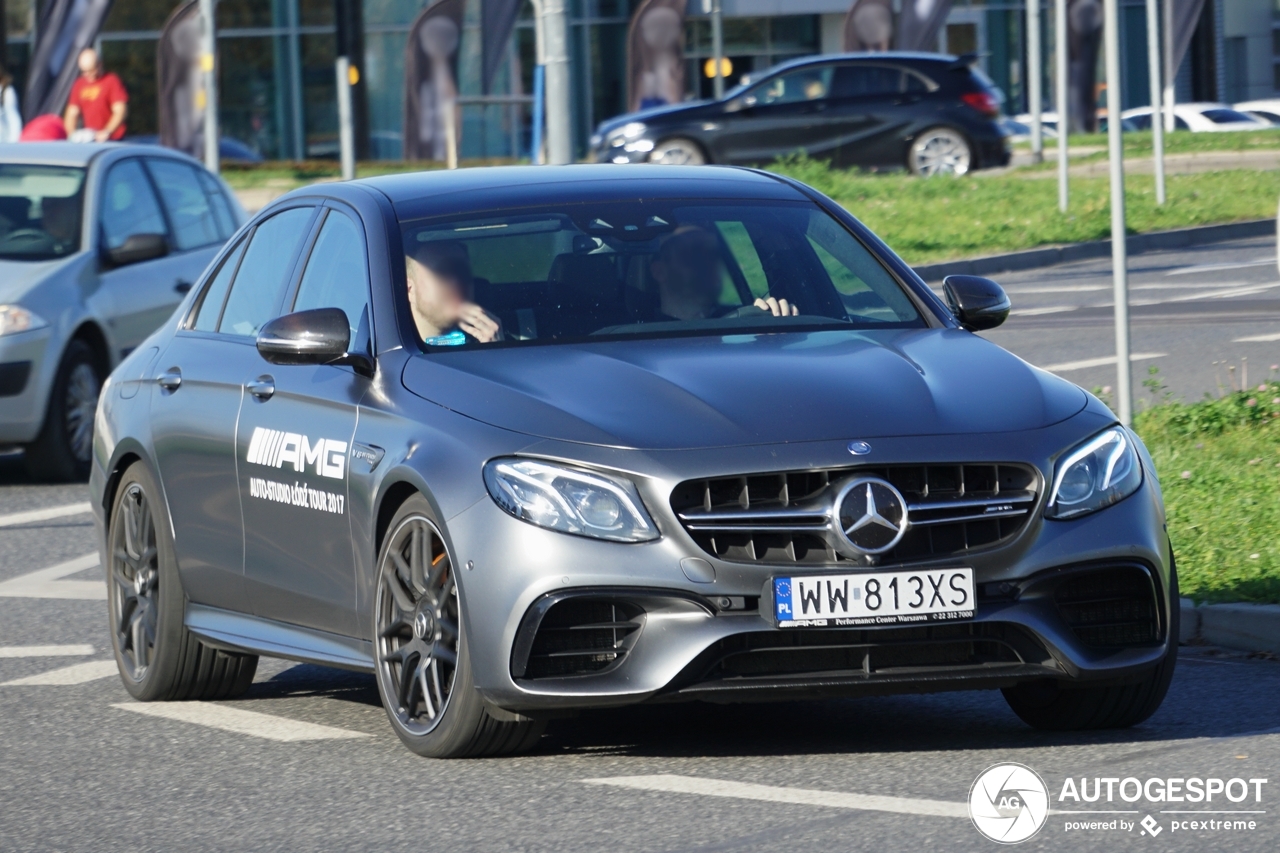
(781, 115)
(196, 406)
(294, 444)
(870, 104)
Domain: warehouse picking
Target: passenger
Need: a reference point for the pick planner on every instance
(690, 274)
(440, 291)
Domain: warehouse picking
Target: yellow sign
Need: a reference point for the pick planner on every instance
(726, 67)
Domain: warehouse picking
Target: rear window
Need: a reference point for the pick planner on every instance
(40, 211)
(626, 269)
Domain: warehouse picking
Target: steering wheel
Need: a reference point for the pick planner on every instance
(745, 311)
(33, 238)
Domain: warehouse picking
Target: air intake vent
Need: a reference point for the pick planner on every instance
(1110, 607)
(785, 517)
(582, 636)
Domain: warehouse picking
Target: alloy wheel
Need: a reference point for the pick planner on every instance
(940, 152)
(135, 578)
(417, 625)
(83, 388)
(677, 152)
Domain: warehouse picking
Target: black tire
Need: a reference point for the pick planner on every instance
(1050, 706)
(158, 658)
(64, 448)
(423, 661)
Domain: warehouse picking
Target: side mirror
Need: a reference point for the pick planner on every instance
(318, 336)
(978, 303)
(138, 248)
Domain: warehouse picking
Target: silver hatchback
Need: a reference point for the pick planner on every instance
(98, 245)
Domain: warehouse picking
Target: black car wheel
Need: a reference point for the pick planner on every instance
(423, 667)
(64, 447)
(677, 152)
(1052, 706)
(158, 658)
(939, 151)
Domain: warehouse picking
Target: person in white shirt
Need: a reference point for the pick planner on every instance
(10, 118)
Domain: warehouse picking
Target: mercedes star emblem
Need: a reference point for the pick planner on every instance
(859, 448)
(871, 515)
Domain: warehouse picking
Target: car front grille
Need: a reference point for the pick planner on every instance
(1110, 607)
(582, 637)
(786, 517)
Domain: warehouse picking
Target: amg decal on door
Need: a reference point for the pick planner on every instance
(273, 448)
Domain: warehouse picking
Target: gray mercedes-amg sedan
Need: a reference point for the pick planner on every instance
(525, 441)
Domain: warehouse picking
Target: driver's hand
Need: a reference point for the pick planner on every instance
(478, 323)
(777, 307)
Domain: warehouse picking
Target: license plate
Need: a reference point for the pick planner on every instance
(880, 598)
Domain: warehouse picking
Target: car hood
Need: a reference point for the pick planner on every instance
(686, 393)
(18, 277)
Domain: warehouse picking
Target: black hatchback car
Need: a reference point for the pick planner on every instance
(930, 112)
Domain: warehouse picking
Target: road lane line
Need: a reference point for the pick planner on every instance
(48, 583)
(1049, 309)
(1099, 362)
(1216, 267)
(671, 784)
(1258, 339)
(81, 673)
(33, 515)
(242, 722)
(45, 651)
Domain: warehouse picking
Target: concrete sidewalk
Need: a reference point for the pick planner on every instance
(1247, 627)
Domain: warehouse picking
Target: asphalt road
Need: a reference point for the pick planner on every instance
(1195, 314)
(307, 760)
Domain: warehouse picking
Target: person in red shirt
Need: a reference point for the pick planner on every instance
(98, 99)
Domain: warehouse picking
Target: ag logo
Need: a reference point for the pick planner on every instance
(1008, 803)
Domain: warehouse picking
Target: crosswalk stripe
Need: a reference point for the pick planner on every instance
(667, 783)
(48, 583)
(33, 515)
(239, 721)
(81, 673)
(45, 651)
(1103, 361)
(1258, 339)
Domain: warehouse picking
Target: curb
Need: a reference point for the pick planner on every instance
(1247, 627)
(1049, 256)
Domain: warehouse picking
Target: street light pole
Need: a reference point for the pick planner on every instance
(1170, 95)
(555, 58)
(717, 48)
(209, 67)
(1033, 80)
(1119, 251)
(1153, 71)
(1062, 69)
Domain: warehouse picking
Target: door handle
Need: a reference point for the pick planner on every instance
(262, 387)
(182, 286)
(170, 380)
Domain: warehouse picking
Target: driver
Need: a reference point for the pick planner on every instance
(439, 283)
(689, 274)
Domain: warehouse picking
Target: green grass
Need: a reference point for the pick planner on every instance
(944, 218)
(1139, 144)
(1219, 466)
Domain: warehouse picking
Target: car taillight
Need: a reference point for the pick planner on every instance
(983, 102)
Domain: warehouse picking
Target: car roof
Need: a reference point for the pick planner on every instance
(419, 194)
(70, 153)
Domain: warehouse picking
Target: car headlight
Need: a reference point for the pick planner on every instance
(630, 130)
(569, 500)
(1100, 472)
(15, 318)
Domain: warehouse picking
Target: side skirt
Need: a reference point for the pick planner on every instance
(239, 632)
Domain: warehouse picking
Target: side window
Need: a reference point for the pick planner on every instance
(185, 201)
(337, 274)
(805, 84)
(222, 209)
(216, 293)
(128, 205)
(261, 279)
(862, 81)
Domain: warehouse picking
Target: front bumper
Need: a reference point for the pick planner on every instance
(24, 380)
(705, 640)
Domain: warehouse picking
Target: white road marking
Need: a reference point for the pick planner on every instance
(45, 651)
(1215, 267)
(34, 515)
(81, 673)
(1051, 309)
(1099, 362)
(1258, 339)
(48, 583)
(799, 796)
(238, 721)
(1031, 290)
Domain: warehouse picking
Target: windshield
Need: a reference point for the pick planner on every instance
(40, 209)
(643, 268)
